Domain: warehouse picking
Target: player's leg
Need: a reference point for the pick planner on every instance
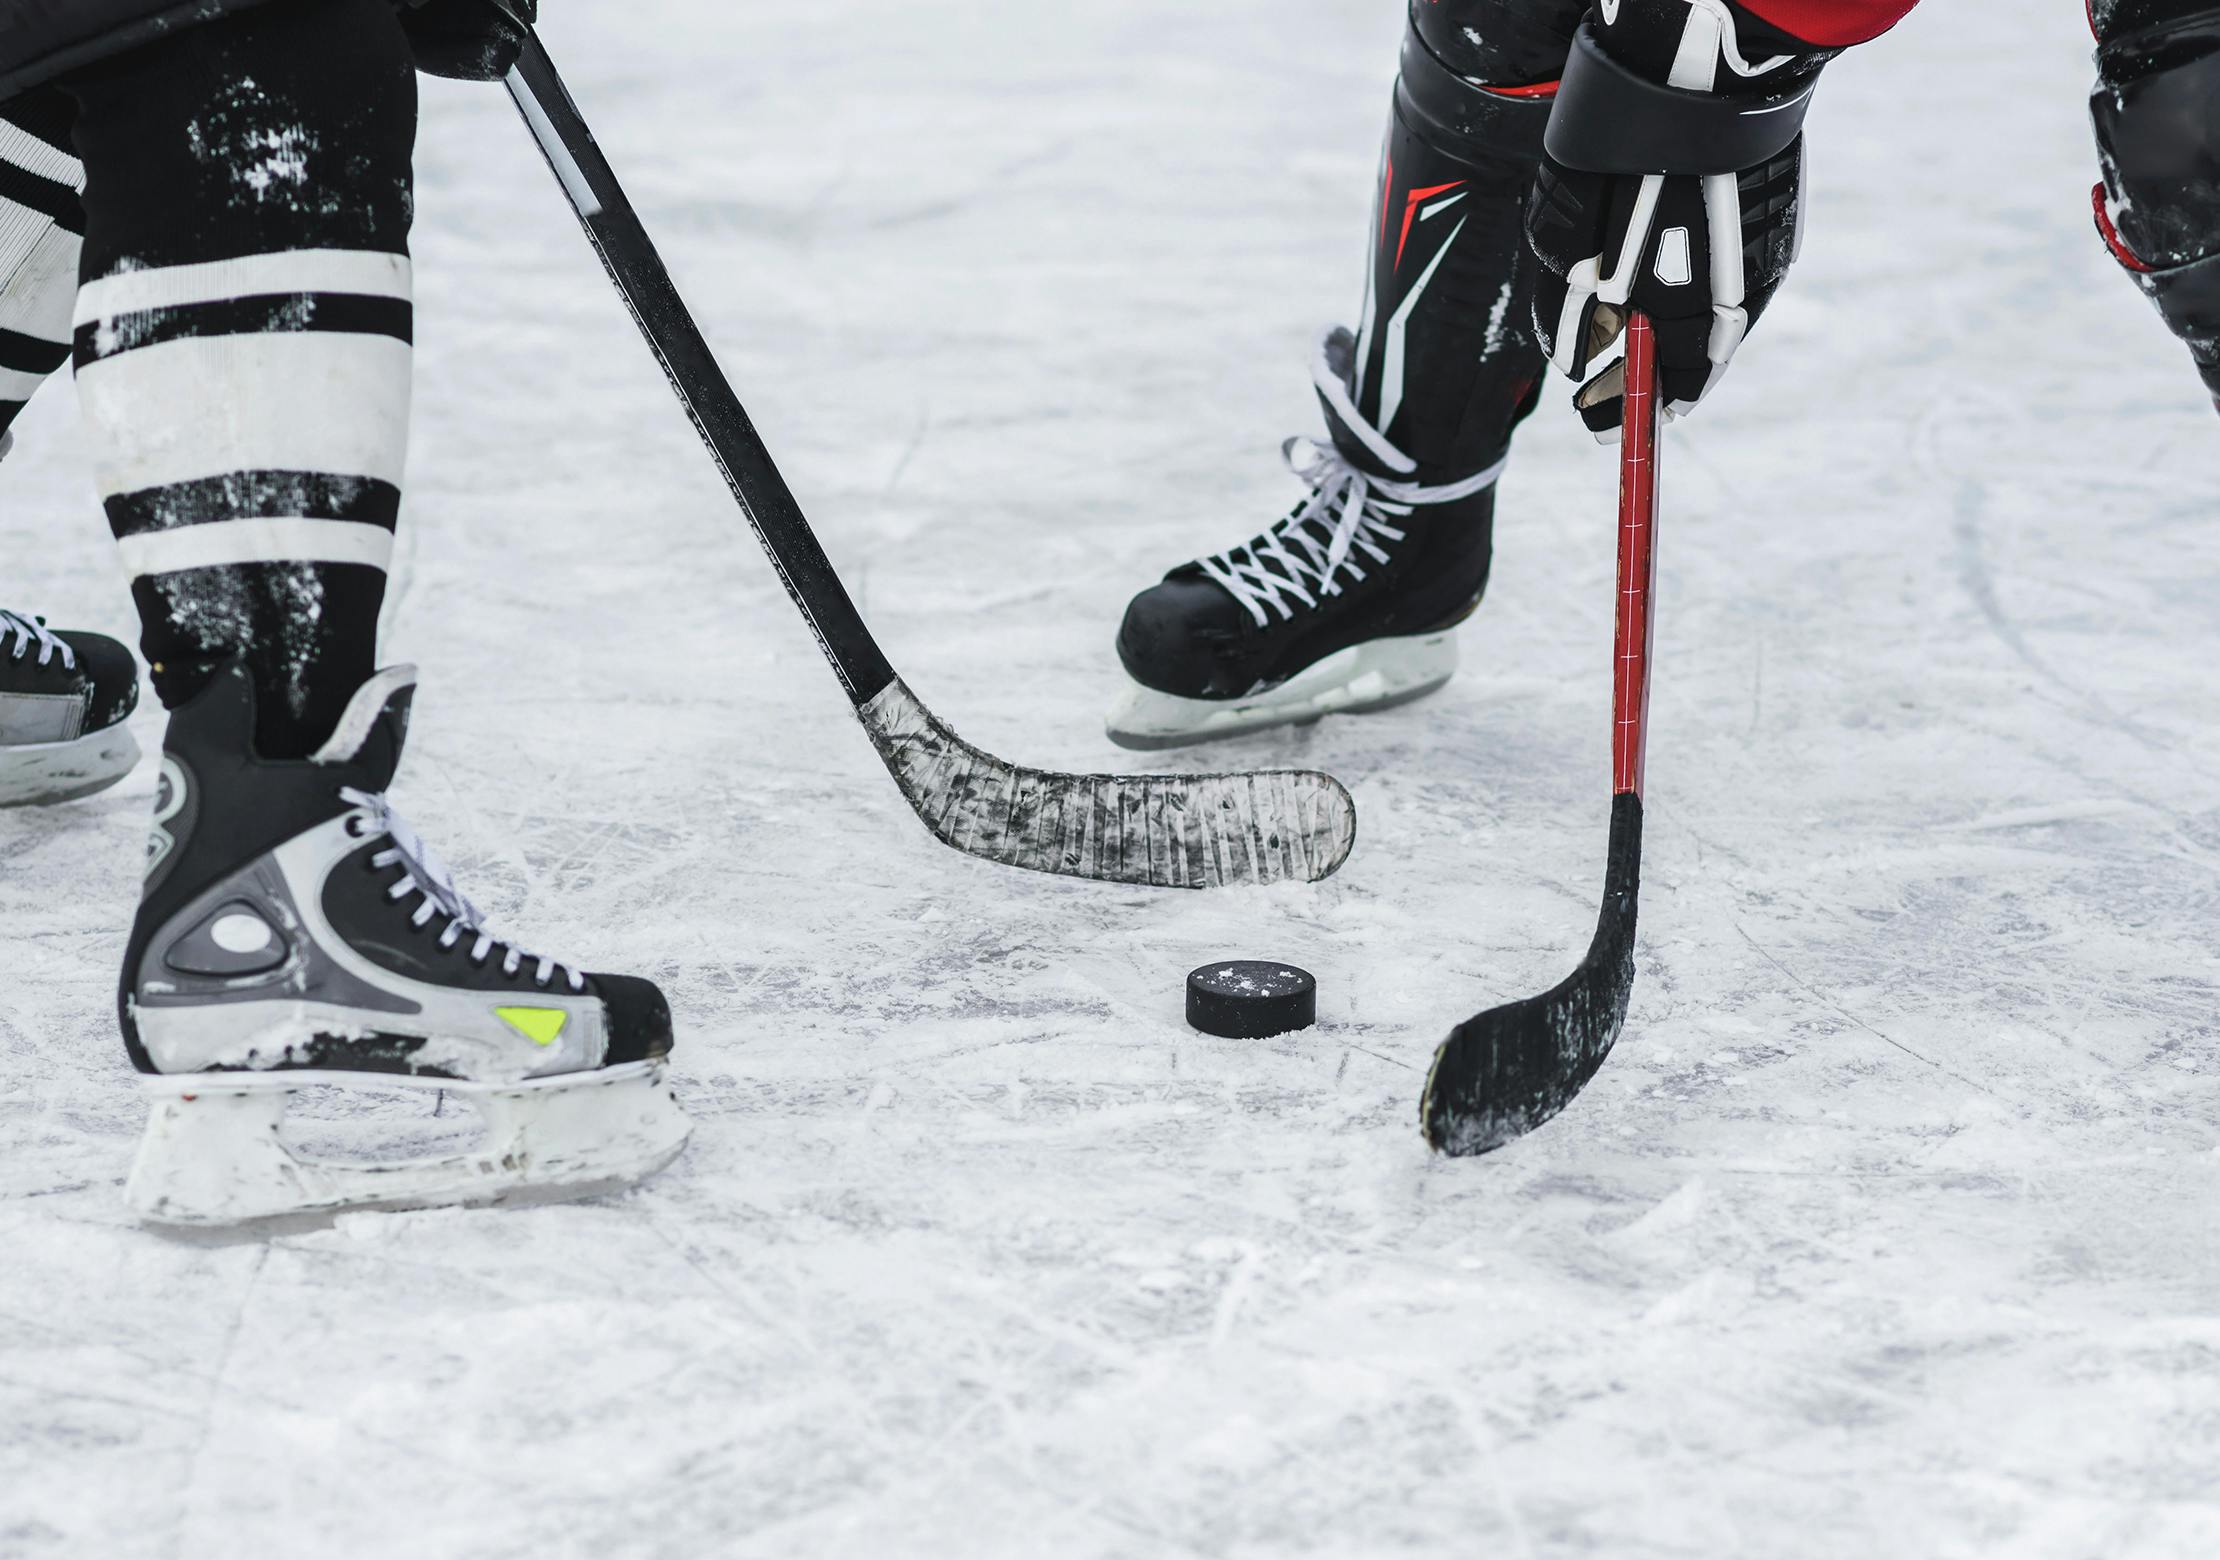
(2159, 205)
(64, 693)
(242, 344)
(1351, 601)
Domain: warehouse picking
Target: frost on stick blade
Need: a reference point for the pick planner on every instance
(1164, 831)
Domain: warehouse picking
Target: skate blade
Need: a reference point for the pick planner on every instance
(215, 1154)
(50, 772)
(1377, 675)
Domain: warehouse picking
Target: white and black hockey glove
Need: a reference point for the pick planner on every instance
(1672, 184)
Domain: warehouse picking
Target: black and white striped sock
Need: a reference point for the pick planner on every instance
(242, 346)
(283, 383)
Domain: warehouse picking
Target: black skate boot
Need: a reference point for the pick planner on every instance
(294, 931)
(64, 696)
(1348, 604)
(1351, 602)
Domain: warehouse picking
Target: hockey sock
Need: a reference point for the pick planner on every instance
(1446, 362)
(242, 344)
(40, 226)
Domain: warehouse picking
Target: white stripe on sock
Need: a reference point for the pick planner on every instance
(273, 540)
(205, 406)
(33, 155)
(15, 385)
(38, 274)
(366, 272)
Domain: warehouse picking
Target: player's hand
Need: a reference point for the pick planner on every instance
(468, 40)
(1673, 184)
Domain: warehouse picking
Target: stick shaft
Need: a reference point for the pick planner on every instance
(645, 283)
(1638, 452)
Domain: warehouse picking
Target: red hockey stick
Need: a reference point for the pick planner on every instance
(1502, 1074)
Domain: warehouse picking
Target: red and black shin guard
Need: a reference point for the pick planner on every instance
(1446, 364)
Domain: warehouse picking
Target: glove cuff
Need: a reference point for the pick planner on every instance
(1608, 119)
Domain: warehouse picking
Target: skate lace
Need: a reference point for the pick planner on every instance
(1347, 520)
(29, 631)
(425, 874)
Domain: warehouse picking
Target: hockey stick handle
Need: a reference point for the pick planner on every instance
(630, 257)
(1638, 508)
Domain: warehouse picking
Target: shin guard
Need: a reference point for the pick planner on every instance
(1446, 363)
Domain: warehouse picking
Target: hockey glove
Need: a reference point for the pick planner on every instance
(1672, 184)
(468, 40)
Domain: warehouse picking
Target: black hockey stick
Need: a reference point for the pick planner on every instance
(1171, 831)
(1500, 1075)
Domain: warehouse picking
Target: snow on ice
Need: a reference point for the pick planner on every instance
(1886, 1231)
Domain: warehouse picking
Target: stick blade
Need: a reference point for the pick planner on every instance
(1158, 831)
(1508, 1070)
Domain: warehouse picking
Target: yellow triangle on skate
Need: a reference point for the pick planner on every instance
(541, 1026)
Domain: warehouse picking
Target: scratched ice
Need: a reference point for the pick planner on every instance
(1888, 1231)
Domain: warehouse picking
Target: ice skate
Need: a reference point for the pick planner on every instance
(295, 932)
(64, 696)
(1348, 604)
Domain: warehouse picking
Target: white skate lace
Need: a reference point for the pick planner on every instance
(1347, 521)
(425, 874)
(28, 631)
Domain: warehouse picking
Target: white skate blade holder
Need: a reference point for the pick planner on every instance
(215, 1153)
(1376, 675)
(40, 774)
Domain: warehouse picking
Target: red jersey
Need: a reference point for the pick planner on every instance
(1831, 24)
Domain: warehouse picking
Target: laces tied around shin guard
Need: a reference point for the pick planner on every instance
(425, 874)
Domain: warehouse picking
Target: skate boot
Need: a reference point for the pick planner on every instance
(1350, 603)
(295, 932)
(63, 699)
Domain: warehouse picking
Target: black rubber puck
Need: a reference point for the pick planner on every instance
(1251, 999)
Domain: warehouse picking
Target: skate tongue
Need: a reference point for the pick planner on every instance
(371, 732)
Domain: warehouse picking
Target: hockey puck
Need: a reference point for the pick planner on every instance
(1251, 999)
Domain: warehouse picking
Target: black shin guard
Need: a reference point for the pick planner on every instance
(2159, 138)
(1446, 360)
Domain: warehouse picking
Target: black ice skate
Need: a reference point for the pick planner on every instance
(64, 696)
(1350, 603)
(295, 932)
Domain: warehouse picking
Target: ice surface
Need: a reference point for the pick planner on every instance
(1888, 1231)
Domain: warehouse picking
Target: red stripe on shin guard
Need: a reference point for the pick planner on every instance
(2111, 234)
